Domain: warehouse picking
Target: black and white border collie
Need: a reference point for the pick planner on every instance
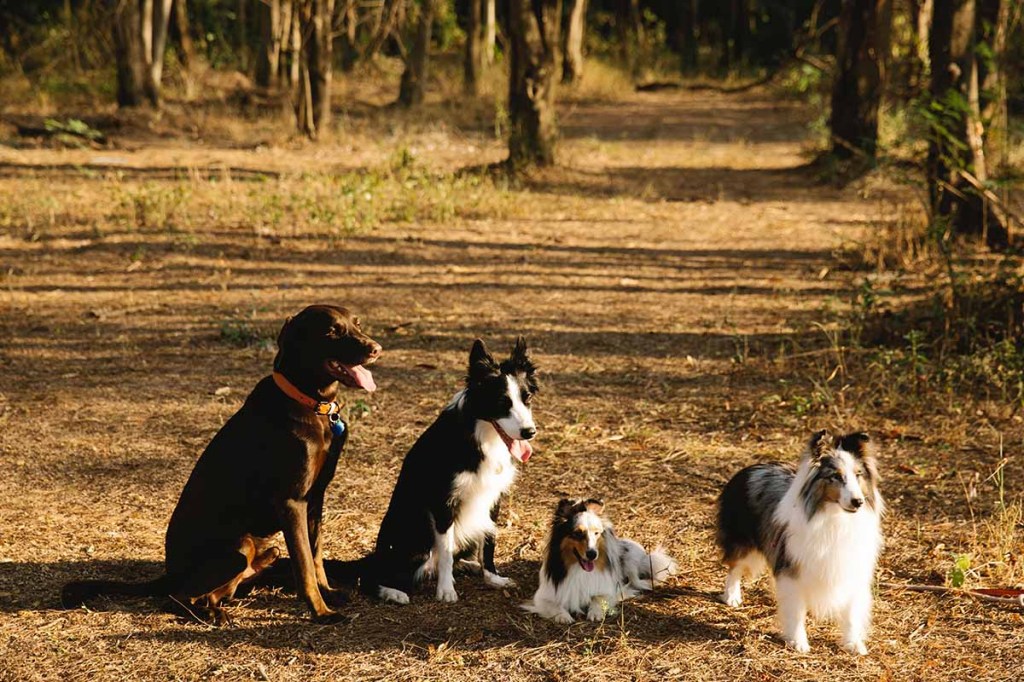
(588, 570)
(447, 497)
(817, 526)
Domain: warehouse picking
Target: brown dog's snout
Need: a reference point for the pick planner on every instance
(375, 351)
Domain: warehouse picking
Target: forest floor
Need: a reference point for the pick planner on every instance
(660, 273)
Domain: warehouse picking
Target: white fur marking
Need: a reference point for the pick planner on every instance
(393, 595)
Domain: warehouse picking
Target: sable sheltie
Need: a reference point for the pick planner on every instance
(817, 527)
(588, 570)
(446, 500)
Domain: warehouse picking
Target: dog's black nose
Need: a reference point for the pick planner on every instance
(527, 433)
(856, 502)
(591, 554)
(375, 351)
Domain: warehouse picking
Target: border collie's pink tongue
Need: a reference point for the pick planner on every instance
(362, 377)
(521, 449)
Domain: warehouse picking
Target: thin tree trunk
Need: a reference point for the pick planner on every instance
(474, 39)
(861, 57)
(994, 22)
(623, 20)
(295, 41)
(313, 105)
(957, 138)
(156, 34)
(412, 88)
(349, 49)
(268, 56)
(181, 23)
(690, 30)
(128, 53)
(534, 26)
(490, 30)
(572, 61)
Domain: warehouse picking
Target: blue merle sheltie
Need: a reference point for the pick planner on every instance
(446, 501)
(588, 570)
(817, 526)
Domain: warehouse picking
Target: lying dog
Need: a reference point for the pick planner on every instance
(446, 500)
(817, 526)
(265, 471)
(587, 569)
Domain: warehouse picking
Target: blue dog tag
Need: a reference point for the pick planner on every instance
(337, 426)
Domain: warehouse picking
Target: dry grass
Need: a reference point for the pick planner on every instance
(671, 276)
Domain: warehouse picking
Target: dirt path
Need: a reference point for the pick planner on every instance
(682, 237)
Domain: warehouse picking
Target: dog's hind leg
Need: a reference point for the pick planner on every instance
(216, 579)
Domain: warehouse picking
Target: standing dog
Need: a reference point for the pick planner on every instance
(447, 497)
(587, 569)
(819, 529)
(265, 471)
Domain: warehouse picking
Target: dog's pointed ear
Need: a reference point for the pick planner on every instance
(481, 364)
(857, 444)
(820, 444)
(519, 362)
(563, 511)
(519, 351)
(594, 506)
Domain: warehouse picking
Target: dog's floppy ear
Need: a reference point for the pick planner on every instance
(820, 444)
(857, 444)
(283, 339)
(481, 364)
(594, 506)
(563, 511)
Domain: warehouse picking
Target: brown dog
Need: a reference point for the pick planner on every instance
(264, 472)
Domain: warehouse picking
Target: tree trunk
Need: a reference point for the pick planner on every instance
(623, 21)
(268, 55)
(184, 31)
(154, 34)
(412, 88)
(349, 49)
(295, 44)
(128, 53)
(474, 39)
(690, 34)
(861, 57)
(572, 61)
(534, 26)
(313, 106)
(490, 30)
(994, 24)
(956, 159)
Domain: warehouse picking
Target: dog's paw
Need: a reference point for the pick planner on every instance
(332, 618)
(857, 648)
(392, 595)
(334, 597)
(447, 593)
(596, 612)
(733, 600)
(496, 581)
(799, 644)
(564, 618)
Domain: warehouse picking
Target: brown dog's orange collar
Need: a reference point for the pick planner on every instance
(319, 406)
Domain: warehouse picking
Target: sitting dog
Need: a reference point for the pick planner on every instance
(817, 526)
(447, 497)
(588, 570)
(265, 471)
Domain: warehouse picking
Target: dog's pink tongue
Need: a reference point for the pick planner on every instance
(587, 566)
(363, 377)
(521, 450)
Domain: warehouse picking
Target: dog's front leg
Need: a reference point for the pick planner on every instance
(602, 605)
(294, 517)
(490, 573)
(314, 516)
(444, 549)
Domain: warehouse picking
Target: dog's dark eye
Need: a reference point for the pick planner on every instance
(334, 331)
(837, 477)
(579, 534)
(357, 323)
(526, 397)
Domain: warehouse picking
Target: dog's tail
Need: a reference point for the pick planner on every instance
(347, 572)
(76, 593)
(660, 565)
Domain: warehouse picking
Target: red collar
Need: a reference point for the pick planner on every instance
(319, 406)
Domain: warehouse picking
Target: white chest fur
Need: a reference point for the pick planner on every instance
(475, 492)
